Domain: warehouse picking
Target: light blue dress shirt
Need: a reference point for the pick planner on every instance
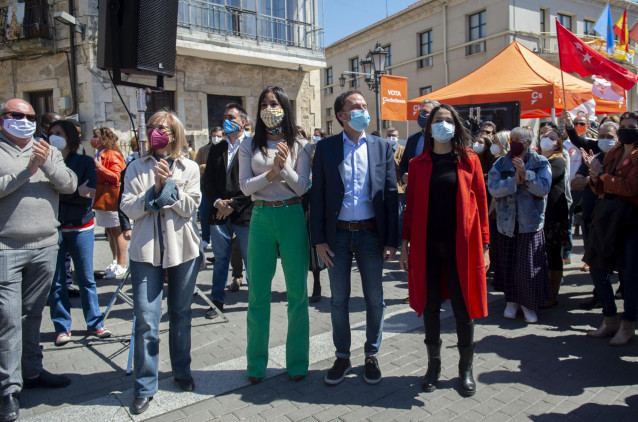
(232, 150)
(355, 173)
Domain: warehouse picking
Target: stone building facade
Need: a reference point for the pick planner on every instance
(231, 58)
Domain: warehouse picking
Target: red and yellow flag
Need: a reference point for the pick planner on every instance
(620, 29)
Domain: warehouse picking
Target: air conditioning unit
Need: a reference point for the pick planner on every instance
(426, 62)
(475, 48)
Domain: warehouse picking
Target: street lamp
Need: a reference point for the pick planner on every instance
(373, 67)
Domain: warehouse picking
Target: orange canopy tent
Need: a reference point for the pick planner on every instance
(518, 74)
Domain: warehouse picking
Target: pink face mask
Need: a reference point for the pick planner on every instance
(158, 139)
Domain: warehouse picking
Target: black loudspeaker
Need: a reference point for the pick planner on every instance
(137, 36)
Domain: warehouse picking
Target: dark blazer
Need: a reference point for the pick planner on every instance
(410, 152)
(219, 183)
(326, 195)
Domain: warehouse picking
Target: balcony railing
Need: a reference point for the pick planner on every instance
(212, 18)
(29, 20)
(548, 44)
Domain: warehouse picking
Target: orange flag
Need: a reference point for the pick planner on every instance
(620, 29)
(394, 98)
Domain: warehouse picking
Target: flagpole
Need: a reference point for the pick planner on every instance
(562, 79)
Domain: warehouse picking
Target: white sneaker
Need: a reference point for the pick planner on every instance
(530, 316)
(511, 310)
(111, 267)
(119, 271)
(204, 244)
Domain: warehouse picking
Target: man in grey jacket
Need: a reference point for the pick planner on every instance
(32, 176)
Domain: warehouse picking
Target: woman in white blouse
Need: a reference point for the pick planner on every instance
(274, 168)
(161, 193)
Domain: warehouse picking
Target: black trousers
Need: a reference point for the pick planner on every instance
(441, 259)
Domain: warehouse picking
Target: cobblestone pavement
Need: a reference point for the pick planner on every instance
(540, 372)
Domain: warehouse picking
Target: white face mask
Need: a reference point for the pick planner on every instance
(547, 144)
(495, 149)
(57, 141)
(22, 129)
(392, 140)
(247, 134)
(215, 140)
(316, 139)
(606, 145)
(478, 147)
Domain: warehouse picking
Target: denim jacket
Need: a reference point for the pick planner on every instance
(524, 203)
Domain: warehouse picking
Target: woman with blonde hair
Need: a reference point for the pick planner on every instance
(109, 163)
(161, 194)
(501, 144)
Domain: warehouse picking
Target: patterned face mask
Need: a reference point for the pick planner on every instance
(272, 117)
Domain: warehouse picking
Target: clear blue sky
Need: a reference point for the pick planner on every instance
(345, 17)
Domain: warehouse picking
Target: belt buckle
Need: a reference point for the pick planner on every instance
(278, 204)
(351, 224)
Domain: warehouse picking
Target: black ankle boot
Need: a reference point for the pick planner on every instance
(468, 386)
(431, 378)
(316, 291)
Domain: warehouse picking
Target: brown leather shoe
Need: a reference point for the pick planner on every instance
(608, 328)
(235, 285)
(624, 335)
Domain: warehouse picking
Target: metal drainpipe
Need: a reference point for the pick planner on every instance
(445, 63)
(74, 76)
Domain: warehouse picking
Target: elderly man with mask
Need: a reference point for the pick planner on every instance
(415, 142)
(32, 176)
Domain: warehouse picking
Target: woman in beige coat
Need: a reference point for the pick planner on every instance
(161, 194)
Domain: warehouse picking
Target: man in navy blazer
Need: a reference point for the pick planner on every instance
(415, 142)
(353, 212)
(231, 210)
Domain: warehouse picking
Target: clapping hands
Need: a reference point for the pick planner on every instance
(39, 156)
(162, 174)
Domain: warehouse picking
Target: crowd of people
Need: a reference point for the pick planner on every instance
(458, 205)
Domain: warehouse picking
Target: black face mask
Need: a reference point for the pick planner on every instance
(627, 136)
(517, 148)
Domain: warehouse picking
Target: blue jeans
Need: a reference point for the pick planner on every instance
(604, 290)
(148, 282)
(221, 242)
(80, 246)
(204, 212)
(367, 249)
(603, 286)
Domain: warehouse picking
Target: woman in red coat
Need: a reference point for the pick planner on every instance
(446, 225)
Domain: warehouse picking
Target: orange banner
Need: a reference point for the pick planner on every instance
(394, 98)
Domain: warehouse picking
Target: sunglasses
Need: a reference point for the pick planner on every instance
(161, 128)
(19, 116)
(580, 123)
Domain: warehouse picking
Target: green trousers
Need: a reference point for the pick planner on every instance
(273, 228)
